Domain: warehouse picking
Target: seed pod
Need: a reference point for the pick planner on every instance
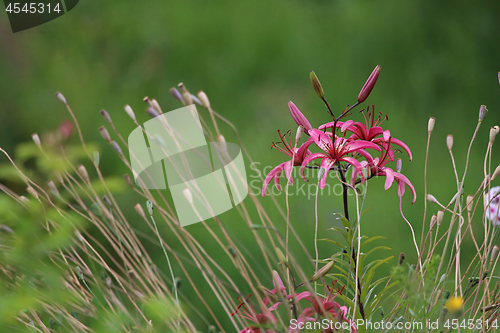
(469, 203)
(482, 112)
(32, 192)
(105, 134)
(36, 140)
(430, 125)
(129, 111)
(204, 99)
(53, 187)
(106, 116)
(83, 173)
(127, 179)
(493, 133)
(116, 147)
(494, 253)
(177, 95)
(151, 111)
(61, 97)
(449, 142)
(298, 135)
(440, 215)
(139, 210)
(431, 198)
(433, 221)
(399, 164)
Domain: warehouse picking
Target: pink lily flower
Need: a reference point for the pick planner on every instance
(377, 167)
(336, 151)
(246, 310)
(370, 131)
(286, 147)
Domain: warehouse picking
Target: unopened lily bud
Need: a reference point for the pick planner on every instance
(32, 192)
(496, 172)
(430, 125)
(53, 187)
(399, 164)
(440, 216)
(298, 135)
(449, 142)
(469, 203)
(433, 221)
(431, 198)
(278, 283)
(493, 133)
(494, 253)
(316, 85)
(116, 147)
(61, 97)
(369, 84)
(106, 116)
(401, 258)
(204, 99)
(36, 140)
(139, 210)
(83, 173)
(482, 112)
(188, 195)
(323, 271)
(268, 294)
(151, 111)
(129, 111)
(177, 95)
(299, 117)
(105, 134)
(280, 255)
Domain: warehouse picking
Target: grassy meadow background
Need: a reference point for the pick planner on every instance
(438, 59)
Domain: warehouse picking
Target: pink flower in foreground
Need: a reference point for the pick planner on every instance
(377, 168)
(335, 150)
(286, 147)
(370, 131)
(246, 310)
(491, 200)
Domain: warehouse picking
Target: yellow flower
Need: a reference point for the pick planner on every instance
(454, 304)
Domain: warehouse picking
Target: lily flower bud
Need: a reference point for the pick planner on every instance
(280, 255)
(449, 141)
(299, 117)
(430, 125)
(323, 271)
(369, 84)
(493, 133)
(316, 85)
(278, 283)
(482, 112)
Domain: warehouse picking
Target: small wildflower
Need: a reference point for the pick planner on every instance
(454, 304)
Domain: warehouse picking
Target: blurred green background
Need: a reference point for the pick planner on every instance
(438, 59)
